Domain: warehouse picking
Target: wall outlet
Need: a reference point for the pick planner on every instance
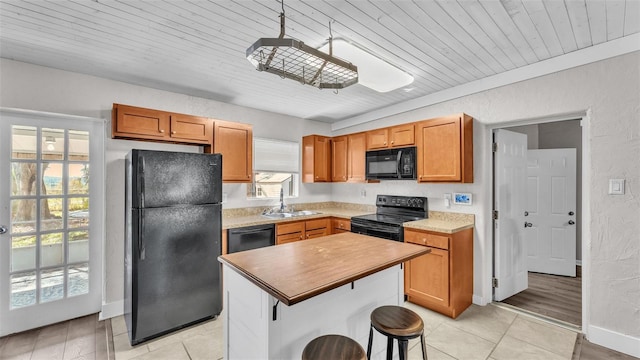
(224, 197)
(363, 193)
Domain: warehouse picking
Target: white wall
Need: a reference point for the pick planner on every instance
(610, 90)
(39, 88)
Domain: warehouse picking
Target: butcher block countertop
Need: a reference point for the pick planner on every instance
(300, 270)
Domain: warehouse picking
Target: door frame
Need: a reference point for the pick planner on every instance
(97, 184)
(585, 117)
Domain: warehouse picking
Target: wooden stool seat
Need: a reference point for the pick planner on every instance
(336, 347)
(399, 323)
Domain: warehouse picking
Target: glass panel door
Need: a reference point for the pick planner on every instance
(49, 268)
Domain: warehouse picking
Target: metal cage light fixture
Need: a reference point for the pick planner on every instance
(292, 59)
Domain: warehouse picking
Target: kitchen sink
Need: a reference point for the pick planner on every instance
(280, 215)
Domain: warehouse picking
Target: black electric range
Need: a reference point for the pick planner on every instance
(391, 212)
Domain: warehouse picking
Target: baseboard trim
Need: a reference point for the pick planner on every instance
(478, 300)
(614, 340)
(111, 309)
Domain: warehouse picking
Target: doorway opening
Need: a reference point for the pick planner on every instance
(547, 294)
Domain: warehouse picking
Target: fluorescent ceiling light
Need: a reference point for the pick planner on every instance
(373, 72)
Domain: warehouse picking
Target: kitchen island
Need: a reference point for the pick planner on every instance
(278, 298)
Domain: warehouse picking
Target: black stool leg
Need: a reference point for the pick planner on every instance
(370, 342)
(403, 349)
(424, 347)
(389, 348)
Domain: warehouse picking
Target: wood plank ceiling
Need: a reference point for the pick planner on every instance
(198, 47)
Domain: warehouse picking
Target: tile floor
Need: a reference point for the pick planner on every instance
(481, 332)
(83, 338)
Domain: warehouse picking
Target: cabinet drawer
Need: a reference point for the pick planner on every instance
(310, 234)
(287, 238)
(431, 240)
(341, 224)
(290, 228)
(317, 224)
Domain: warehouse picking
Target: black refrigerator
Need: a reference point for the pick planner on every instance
(173, 239)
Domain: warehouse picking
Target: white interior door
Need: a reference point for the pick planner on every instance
(510, 255)
(51, 197)
(551, 211)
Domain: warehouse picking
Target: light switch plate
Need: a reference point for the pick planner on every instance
(616, 186)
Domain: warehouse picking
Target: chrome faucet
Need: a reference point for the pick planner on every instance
(281, 200)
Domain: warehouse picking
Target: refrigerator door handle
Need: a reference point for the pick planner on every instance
(141, 249)
(141, 180)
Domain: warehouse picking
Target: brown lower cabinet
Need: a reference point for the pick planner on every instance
(443, 279)
(302, 230)
(340, 225)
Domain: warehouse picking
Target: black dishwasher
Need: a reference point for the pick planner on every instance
(251, 237)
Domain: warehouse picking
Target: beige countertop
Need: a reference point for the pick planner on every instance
(443, 222)
(438, 221)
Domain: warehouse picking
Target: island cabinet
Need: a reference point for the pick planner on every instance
(302, 230)
(277, 299)
(445, 149)
(340, 225)
(235, 142)
(316, 159)
(395, 136)
(441, 280)
(130, 122)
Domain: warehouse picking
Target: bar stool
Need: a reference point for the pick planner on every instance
(335, 347)
(397, 322)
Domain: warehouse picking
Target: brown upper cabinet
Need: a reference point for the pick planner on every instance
(348, 158)
(339, 158)
(131, 122)
(445, 149)
(395, 136)
(235, 142)
(316, 159)
(356, 153)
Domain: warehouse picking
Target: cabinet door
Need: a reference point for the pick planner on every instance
(316, 158)
(402, 135)
(427, 277)
(340, 225)
(191, 128)
(445, 149)
(139, 123)
(339, 158)
(356, 149)
(235, 142)
(377, 139)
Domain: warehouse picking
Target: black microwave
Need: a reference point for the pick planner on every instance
(391, 164)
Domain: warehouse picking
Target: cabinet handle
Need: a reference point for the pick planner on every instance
(391, 142)
(173, 132)
(385, 143)
(161, 131)
(300, 237)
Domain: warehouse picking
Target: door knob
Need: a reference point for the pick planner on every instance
(571, 213)
(528, 224)
(3, 229)
(526, 213)
(571, 222)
